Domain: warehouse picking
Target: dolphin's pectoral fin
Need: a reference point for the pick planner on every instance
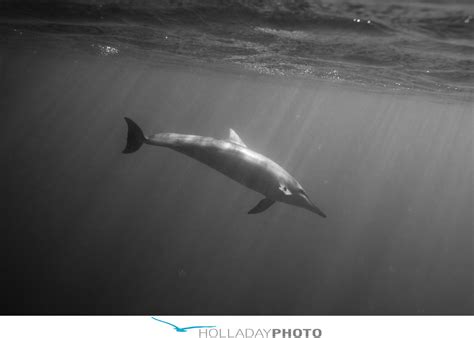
(234, 138)
(262, 206)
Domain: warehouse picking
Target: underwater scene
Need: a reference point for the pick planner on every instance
(367, 104)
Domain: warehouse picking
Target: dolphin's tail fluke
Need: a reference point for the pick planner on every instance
(135, 137)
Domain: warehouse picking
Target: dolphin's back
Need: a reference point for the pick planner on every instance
(243, 165)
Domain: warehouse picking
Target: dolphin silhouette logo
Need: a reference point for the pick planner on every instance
(182, 329)
(234, 159)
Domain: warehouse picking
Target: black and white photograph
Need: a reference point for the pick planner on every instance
(237, 158)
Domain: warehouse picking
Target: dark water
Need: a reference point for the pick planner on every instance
(87, 229)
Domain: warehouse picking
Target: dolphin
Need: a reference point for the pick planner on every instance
(234, 159)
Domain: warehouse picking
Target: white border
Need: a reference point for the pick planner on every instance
(145, 326)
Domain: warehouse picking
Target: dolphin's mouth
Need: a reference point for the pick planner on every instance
(318, 211)
(312, 207)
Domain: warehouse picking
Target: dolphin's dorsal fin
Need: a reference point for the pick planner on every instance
(234, 138)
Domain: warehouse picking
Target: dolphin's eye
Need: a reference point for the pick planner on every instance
(285, 190)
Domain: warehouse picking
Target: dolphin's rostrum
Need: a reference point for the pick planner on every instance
(235, 160)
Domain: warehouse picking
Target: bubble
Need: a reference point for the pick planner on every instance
(107, 50)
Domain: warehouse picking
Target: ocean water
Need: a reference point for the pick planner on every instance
(375, 119)
(400, 45)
